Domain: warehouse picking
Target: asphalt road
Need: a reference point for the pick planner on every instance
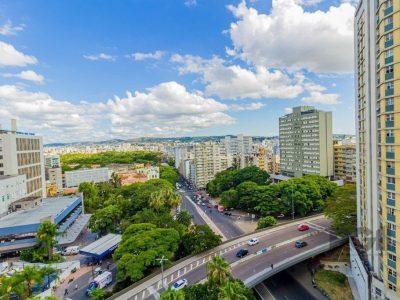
(278, 286)
(195, 270)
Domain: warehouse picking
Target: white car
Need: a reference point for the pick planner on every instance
(180, 284)
(253, 241)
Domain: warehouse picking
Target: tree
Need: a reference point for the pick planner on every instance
(230, 198)
(97, 294)
(46, 235)
(140, 246)
(341, 208)
(169, 173)
(164, 198)
(172, 295)
(218, 271)
(184, 217)
(266, 222)
(233, 290)
(115, 180)
(199, 238)
(90, 195)
(106, 220)
(204, 291)
(247, 195)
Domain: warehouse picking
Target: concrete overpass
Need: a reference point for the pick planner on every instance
(253, 269)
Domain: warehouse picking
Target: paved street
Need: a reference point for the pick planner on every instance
(194, 270)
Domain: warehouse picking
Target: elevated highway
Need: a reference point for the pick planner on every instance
(252, 269)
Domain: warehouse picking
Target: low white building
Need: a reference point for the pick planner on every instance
(151, 172)
(75, 178)
(12, 188)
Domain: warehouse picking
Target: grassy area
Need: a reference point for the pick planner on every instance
(333, 283)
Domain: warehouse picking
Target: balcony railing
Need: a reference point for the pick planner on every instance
(389, 155)
(388, 27)
(389, 92)
(389, 60)
(388, 11)
(392, 279)
(388, 76)
(389, 124)
(391, 233)
(391, 218)
(389, 108)
(390, 139)
(392, 264)
(391, 248)
(390, 186)
(388, 43)
(391, 202)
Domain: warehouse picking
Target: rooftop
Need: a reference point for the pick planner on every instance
(50, 207)
(102, 245)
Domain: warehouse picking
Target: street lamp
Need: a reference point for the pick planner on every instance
(161, 260)
(292, 205)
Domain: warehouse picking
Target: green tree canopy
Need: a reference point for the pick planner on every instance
(172, 295)
(218, 271)
(341, 208)
(106, 220)
(97, 294)
(197, 239)
(266, 222)
(169, 173)
(184, 217)
(46, 237)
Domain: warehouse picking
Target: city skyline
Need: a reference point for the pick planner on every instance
(186, 68)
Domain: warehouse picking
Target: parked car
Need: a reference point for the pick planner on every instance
(300, 244)
(242, 253)
(303, 227)
(203, 204)
(72, 250)
(209, 206)
(228, 213)
(253, 241)
(180, 284)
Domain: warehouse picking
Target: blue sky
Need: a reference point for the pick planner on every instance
(93, 70)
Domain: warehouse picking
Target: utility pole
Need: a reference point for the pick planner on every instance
(292, 205)
(161, 260)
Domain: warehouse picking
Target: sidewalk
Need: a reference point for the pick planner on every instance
(61, 287)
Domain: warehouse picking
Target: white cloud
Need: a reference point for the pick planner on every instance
(251, 106)
(26, 75)
(291, 38)
(138, 56)
(288, 110)
(308, 2)
(166, 109)
(190, 3)
(317, 97)
(9, 56)
(8, 29)
(235, 82)
(101, 56)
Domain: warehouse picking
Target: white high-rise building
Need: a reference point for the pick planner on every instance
(75, 178)
(12, 188)
(52, 161)
(239, 150)
(22, 154)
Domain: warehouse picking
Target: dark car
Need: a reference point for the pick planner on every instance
(242, 252)
(300, 244)
(228, 213)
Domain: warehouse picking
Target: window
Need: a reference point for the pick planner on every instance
(391, 226)
(389, 53)
(392, 272)
(388, 3)
(391, 195)
(390, 85)
(389, 20)
(389, 117)
(391, 256)
(390, 101)
(389, 132)
(389, 37)
(389, 69)
(390, 211)
(392, 287)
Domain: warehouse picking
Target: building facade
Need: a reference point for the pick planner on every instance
(377, 36)
(239, 151)
(345, 162)
(305, 142)
(22, 154)
(54, 178)
(75, 178)
(12, 188)
(52, 161)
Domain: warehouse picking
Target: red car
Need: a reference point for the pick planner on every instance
(209, 206)
(303, 227)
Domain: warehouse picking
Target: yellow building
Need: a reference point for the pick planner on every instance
(344, 165)
(377, 57)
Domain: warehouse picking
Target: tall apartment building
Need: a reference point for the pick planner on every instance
(22, 154)
(345, 161)
(377, 36)
(305, 142)
(52, 161)
(239, 150)
(209, 159)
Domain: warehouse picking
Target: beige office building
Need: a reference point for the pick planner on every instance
(22, 154)
(345, 162)
(305, 142)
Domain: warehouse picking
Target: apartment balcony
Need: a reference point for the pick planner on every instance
(389, 92)
(389, 60)
(389, 124)
(392, 279)
(392, 264)
(391, 218)
(391, 233)
(388, 76)
(389, 108)
(391, 248)
(389, 155)
(388, 43)
(388, 11)
(390, 139)
(388, 27)
(390, 186)
(391, 202)
(390, 171)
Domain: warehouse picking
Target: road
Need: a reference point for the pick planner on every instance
(226, 224)
(278, 287)
(281, 239)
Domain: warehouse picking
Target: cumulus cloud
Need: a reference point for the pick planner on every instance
(317, 97)
(100, 56)
(26, 75)
(251, 106)
(165, 109)
(291, 38)
(138, 56)
(8, 28)
(288, 110)
(236, 82)
(190, 3)
(9, 56)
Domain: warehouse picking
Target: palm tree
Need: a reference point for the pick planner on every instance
(172, 295)
(219, 271)
(28, 277)
(232, 290)
(157, 200)
(46, 236)
(172, 198)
